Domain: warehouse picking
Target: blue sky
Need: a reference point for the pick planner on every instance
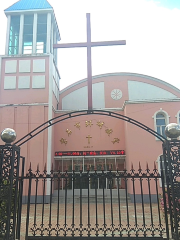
(171, 4)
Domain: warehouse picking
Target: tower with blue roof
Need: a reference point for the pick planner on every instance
(30, 78)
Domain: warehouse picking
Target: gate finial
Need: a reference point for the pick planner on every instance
(172, 130)
(8, 135)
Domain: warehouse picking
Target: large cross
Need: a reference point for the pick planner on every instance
(89, 44)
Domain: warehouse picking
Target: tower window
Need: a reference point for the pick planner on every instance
(41, 33)
(28, 34)
(14, 35)
(160, 123)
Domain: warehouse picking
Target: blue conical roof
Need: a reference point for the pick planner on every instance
(29, 5)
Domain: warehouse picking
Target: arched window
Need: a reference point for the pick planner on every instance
(161, 123)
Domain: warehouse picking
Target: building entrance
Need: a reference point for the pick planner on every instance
(83, 164)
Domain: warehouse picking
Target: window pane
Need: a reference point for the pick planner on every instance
(159, 130)
(14, 35)
(160, 122)
(111, 164)
(41, 29)
(28, 29)
(41, 33)
(28, 19)
(100, 164)
(159, 115)
(89, 164)
(28, 34)
(42, 18)
(163, 131)
(15, 20)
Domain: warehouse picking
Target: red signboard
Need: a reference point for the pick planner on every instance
(90, 153)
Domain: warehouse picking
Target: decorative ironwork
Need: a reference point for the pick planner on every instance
(118, 214)
(65, 116)
(9, 173)
(171, 160)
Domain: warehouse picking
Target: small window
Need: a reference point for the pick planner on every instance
(160, 124)
(14, 35)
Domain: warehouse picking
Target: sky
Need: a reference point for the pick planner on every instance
(151, 29)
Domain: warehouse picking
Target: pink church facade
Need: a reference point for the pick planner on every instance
(30, 96)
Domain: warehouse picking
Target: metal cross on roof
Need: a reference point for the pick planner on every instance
(89, 44)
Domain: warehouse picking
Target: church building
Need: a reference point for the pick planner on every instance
(30, 95)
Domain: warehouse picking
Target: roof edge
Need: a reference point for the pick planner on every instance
(121, 74)
(6, 10)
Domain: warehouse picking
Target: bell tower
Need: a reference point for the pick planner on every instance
(29, 86)
(29, 67)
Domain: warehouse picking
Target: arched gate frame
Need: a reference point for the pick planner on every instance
(11, 183)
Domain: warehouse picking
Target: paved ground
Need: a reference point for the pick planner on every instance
(125, 227)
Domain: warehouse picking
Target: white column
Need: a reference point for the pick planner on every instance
(49, 150)
(52, 37)
(21, 33)
(55, 50)
(48, 33)
(34, 33)
(7, 34)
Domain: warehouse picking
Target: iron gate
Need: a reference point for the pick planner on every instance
(143, 210)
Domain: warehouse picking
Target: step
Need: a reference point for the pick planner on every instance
(92, 199)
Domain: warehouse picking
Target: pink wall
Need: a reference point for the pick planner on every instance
(100, 139)
(24, 119)
(140, 145)
(117, 82)
(19, 96)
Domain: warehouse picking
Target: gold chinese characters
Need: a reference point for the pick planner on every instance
(77, 125)
(69, 132)
(100, 124)
(116, 140)
(88, 123)
(108, 131)
(63, 141)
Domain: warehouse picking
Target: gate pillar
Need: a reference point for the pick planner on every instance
(9, 174)
(171, 157)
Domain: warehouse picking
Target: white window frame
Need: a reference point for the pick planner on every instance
(177, 116)
(166, 119)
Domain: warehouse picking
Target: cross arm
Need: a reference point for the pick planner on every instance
(108, 43)
(92, 44)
